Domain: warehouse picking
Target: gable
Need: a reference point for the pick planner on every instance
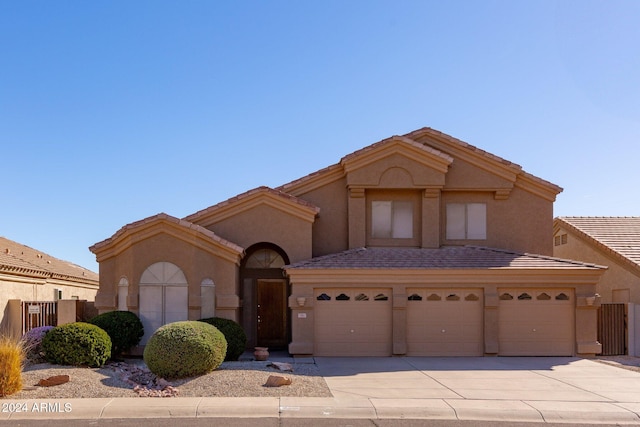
(396, 162)
(617, 237)
(163, 224)
(261, 196)
(427, 159)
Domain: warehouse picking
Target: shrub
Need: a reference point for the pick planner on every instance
(233, 333)
(124, 328)
(77, 344)
(12, 356)
(185, 349)
(32, 342)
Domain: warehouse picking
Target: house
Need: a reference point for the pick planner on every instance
(28, 274)
(610, 241)
(419, 244)
(614, 242)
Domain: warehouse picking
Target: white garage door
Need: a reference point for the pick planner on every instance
(536, 322)
(353, 322)
(445, 322)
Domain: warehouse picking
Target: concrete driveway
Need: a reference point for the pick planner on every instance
(547, 389)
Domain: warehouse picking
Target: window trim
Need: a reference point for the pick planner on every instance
(467, 221)
(394, 196)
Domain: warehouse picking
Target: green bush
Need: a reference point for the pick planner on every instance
(77, 344)
(185, 349)
(124, 328)
(233, 333)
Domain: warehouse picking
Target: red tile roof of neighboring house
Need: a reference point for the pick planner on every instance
(19, 259)
(618, 235)
(458, 257)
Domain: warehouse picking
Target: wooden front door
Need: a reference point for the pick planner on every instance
(272, 313)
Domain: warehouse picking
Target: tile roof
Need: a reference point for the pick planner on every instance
(620, 235)
(263, 189)
(413, 138)
(458, 257)
(171, 219)
(16, 258)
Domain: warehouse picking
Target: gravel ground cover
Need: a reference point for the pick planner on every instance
(132, 379)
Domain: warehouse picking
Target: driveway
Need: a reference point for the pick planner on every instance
(551, 389)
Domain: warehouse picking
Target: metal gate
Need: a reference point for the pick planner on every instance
(38, 313)
(612, 329)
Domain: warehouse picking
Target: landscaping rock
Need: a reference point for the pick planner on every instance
(55, 380)
(277, 381)
(281, 366)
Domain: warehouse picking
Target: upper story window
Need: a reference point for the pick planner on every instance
(466, 221)
(560, 239)
(391, 219)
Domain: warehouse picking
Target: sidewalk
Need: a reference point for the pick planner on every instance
(548, 389)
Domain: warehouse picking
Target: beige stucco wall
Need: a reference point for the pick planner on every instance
(617, 277)
(196, 264)
(522, 223)
(331, 228)
(31, 289)
(264, 223)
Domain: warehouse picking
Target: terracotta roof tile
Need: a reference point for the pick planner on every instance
(620, 235)
(24, 260)
(467, 257)
(165, 217)
(263, 189)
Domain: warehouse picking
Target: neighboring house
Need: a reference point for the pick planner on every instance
(30, 275)
(610, 241)
(416, 245)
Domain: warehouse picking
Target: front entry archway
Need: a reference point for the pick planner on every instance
(265, 314)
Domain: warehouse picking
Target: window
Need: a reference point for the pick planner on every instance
(560, 240)
(391, 219)
(466, 221)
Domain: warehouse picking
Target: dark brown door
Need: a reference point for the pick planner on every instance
(272, 313)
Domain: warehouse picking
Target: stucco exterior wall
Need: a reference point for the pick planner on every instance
(330, 229)
(196, 264)
(522, 222)
(616, 277)
(26, 289)
(268, 224)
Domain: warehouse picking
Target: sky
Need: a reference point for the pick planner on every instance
(114, 111)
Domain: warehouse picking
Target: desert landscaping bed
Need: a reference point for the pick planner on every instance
(231, 379)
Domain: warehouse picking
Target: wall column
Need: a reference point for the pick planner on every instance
(357, 218)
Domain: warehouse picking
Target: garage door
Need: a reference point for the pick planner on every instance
(445, 322)
(353, 322)
(536, 322)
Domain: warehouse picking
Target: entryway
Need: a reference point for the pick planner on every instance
(265, 312)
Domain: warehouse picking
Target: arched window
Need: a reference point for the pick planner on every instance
(264, 258)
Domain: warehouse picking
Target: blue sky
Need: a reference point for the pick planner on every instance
(113, 111)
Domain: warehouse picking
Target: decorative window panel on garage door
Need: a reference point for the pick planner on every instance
(353, 322)
(536, 322)
(445, 322)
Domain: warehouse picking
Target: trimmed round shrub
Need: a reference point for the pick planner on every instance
(32, 342)
(124, 328)
(185, 349)
(77, 344)
(233, 333)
